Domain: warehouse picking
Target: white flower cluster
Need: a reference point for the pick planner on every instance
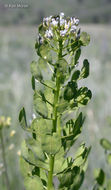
(65, 26)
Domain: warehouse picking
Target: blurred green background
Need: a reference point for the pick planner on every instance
(18, 32)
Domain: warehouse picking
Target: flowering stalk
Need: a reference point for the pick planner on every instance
(57, 97)
(4, 161)
(3, 123)
(55, 118)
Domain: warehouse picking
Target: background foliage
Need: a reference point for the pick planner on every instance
(88, 11)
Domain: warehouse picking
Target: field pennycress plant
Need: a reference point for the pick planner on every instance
(57, 120)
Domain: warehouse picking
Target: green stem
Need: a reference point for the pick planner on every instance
(4, 161)
(55, 117)
(56, 95)
(50, 174)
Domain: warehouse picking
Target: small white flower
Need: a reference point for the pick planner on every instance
(54, 22)
(73, 28)
(50, 17)
(72, 20)
(57, 18)
(61, 15)
(11, 146)
(51, 23)
(62, 22)
(46, 21)
(63, 33)
(49, 34)
(76, 21)
(33, 116)
(12, 133)
(67, 25)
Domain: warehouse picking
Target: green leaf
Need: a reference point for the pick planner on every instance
(62, 106)
(85, 69)
(33, 155)
(74, 45)
(33, 159)
(49, 95)
(35, 70)
(60, 165)
(22, 118)
(77, 56)
(45, 52)
(78, 125)
(35, 147)
(50, 84)
(80, 150)
(32, 183)
(51, 144)
(83, 96)
(41, 173)
(41, 29)
(75, 75)
(25, 168)
(24, 149)
(41, 126)
(84, 38)
(78, 181)
(105, 144)
(60, 162)
(71, 131)
(44, 68)
(62, 65)
(33, 82)
(36, 45)
(40, 105)
(99, 176)
(67, 178)
(109, 158)
(81, 156)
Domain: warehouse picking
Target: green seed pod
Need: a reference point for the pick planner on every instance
(70, 91)
(75, 75)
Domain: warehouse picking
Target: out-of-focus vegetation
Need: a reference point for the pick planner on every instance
(16, 53)
(5, 123)
(96, 11)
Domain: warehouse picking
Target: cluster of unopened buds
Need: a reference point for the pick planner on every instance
(64, 26)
